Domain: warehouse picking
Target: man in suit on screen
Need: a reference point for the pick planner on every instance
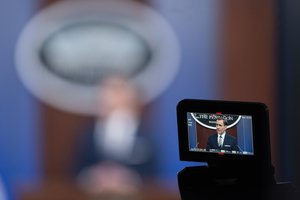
(221, 140)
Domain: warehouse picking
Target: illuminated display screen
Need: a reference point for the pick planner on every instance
(220, 133)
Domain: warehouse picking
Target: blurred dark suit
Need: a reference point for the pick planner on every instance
(140, 158)
(229, 144)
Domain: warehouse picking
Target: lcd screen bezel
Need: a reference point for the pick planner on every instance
(260, 124)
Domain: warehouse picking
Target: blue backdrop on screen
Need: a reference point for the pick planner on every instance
(192, 128)
(245, 135)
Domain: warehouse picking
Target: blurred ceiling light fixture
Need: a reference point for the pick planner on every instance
(67, 48)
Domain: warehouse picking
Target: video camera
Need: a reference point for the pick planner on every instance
(239, 165)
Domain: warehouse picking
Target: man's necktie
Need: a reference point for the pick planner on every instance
(220, 141)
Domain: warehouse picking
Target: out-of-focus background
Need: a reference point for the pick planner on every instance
(232, 50)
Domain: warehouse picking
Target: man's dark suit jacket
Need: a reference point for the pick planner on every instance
(229, 144)
(88, 154)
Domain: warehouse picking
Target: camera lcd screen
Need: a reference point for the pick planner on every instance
(243, 127)
(220, 133)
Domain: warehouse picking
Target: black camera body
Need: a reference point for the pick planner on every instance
(239, 164)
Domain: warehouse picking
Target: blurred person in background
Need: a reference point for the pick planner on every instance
(116, 154)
